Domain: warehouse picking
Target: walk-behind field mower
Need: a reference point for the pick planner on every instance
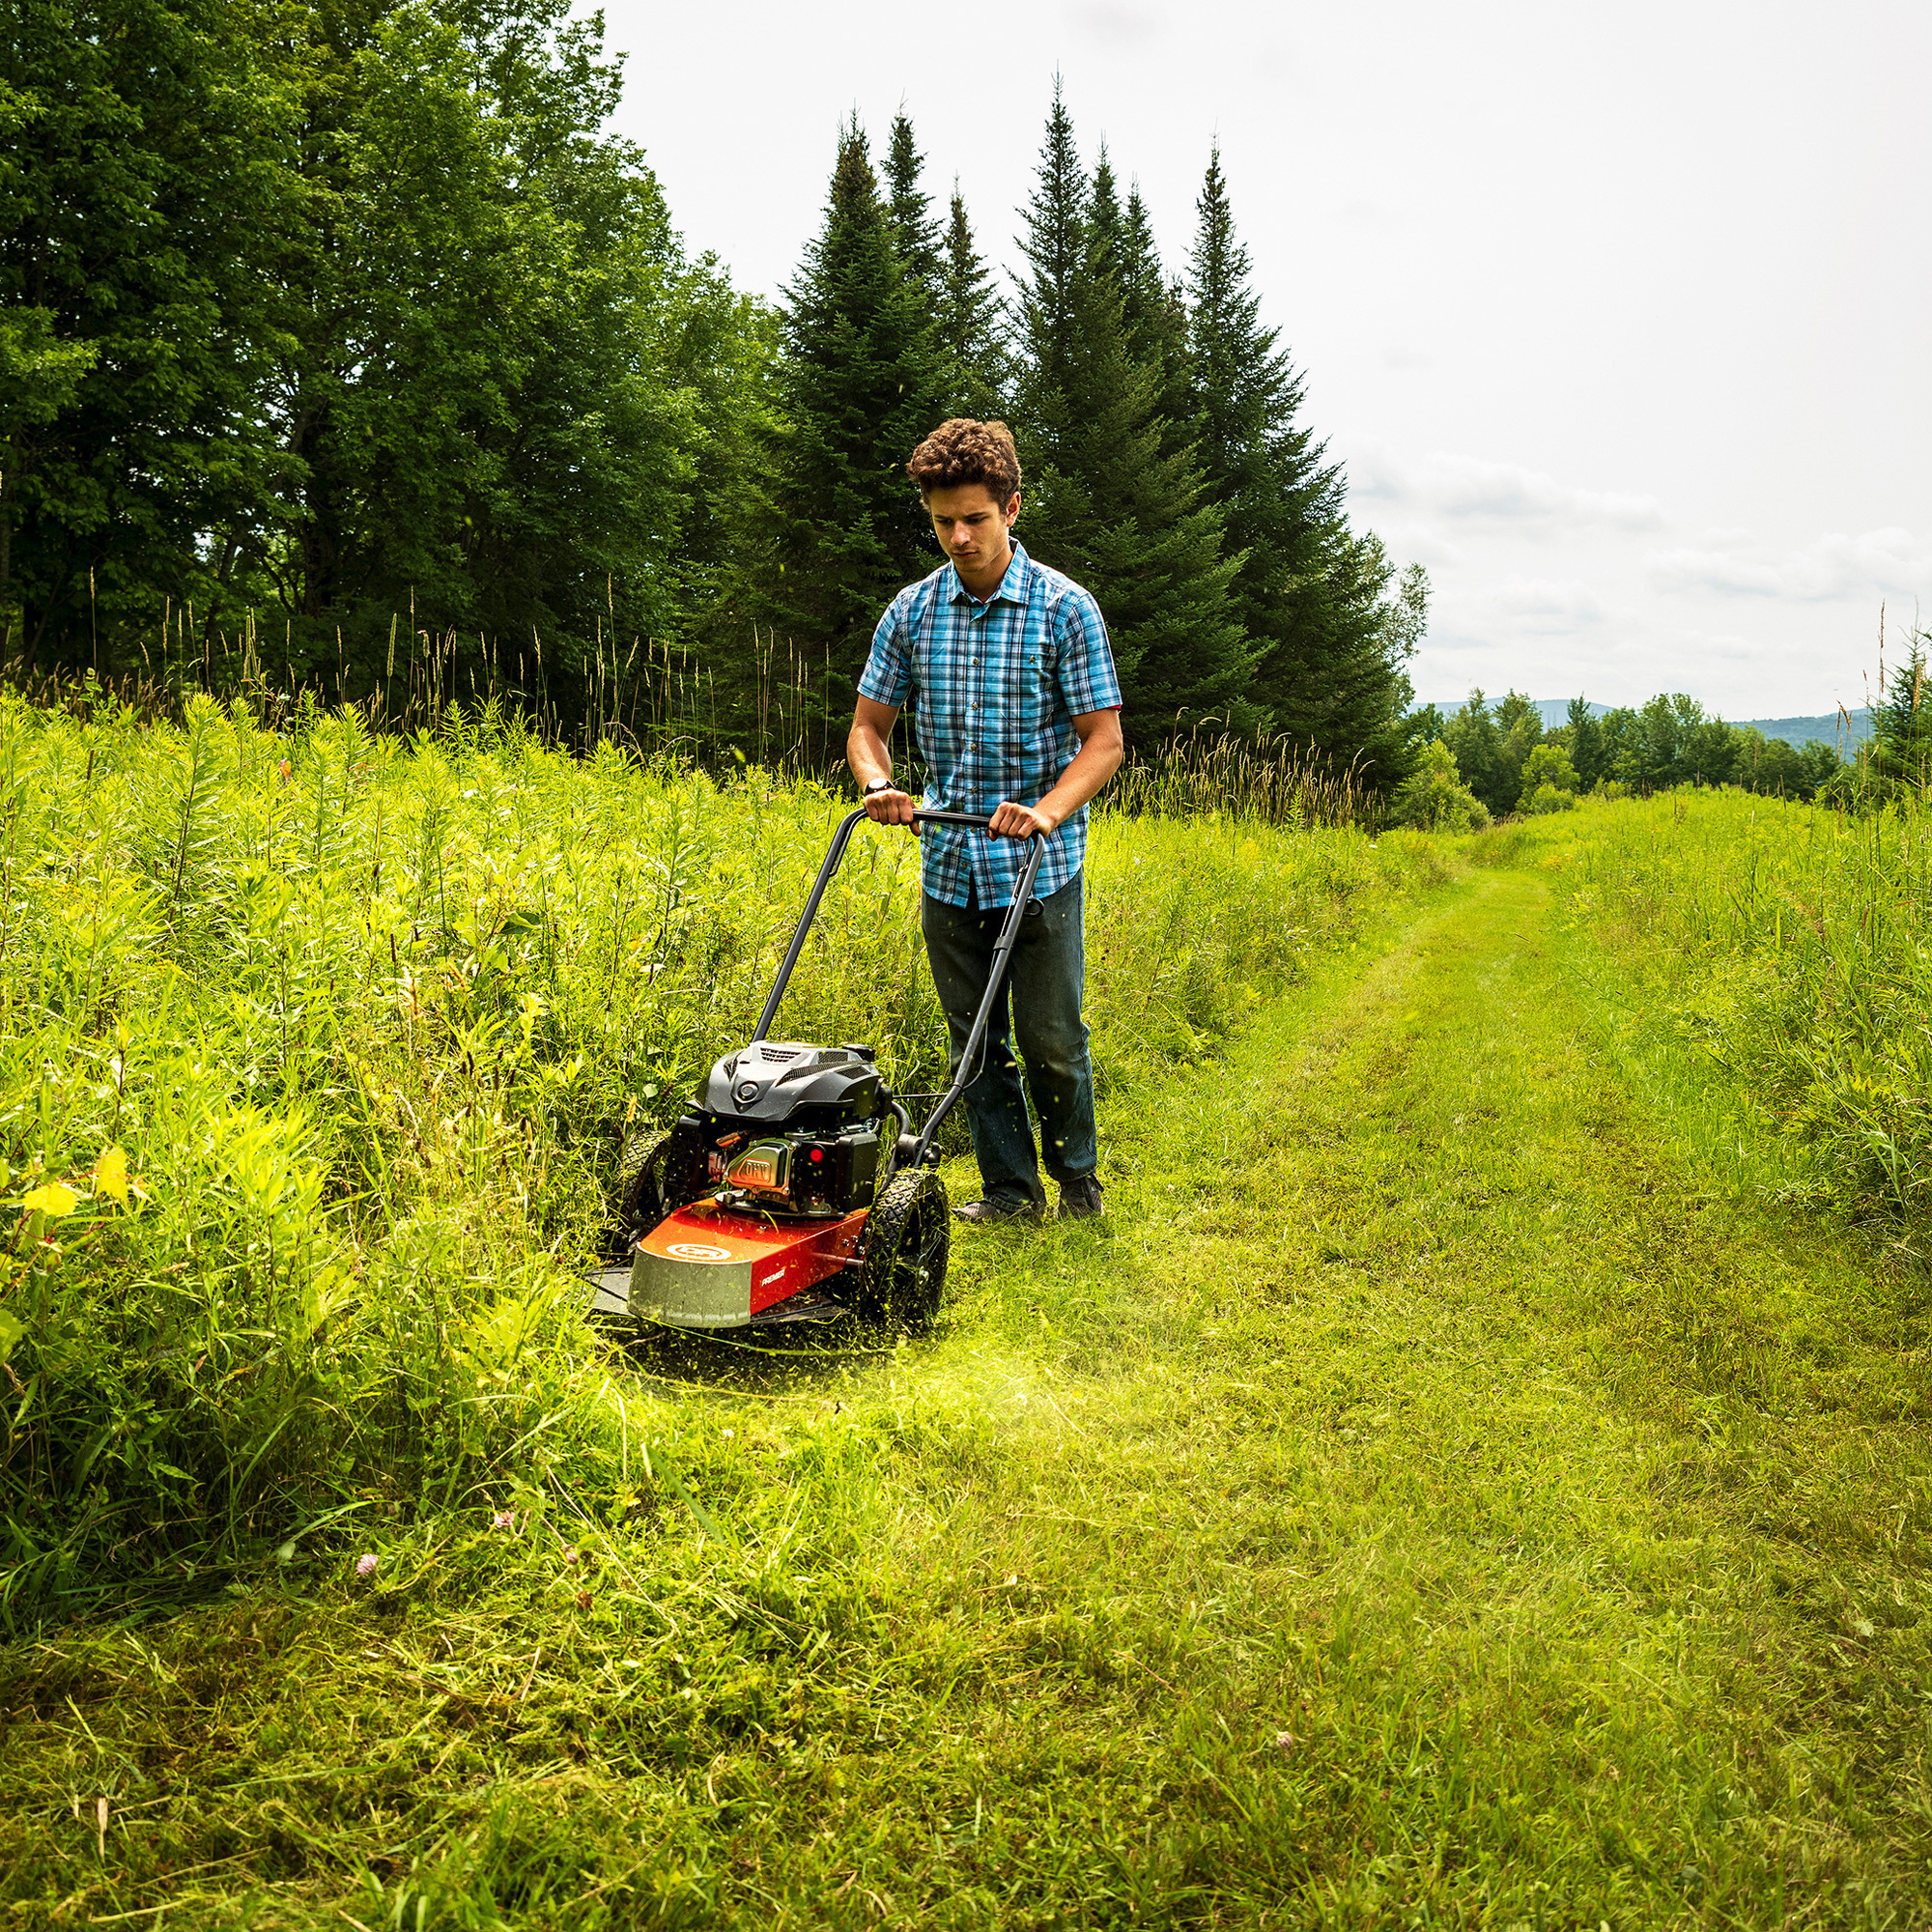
(794, 1193)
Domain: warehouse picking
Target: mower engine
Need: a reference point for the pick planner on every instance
(788, 1128)
(762, 1187)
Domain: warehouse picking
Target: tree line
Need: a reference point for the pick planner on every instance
(339, 341)
(1481, 763)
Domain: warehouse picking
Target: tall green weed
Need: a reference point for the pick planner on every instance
(321, 1049)
(1802, 940)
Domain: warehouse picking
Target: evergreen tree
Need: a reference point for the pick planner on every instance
(1902, 722)
(1107, 503)
(952, 280)
(1586, 745)
(1313, 598)
(863, 378)
(908, 204)
(1156, 317)
(1476, 745)
(971, 324)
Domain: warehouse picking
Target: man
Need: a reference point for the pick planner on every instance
(1017, 713)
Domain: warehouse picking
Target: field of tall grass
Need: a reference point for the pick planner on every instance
(1792, 944)
(319, 1054)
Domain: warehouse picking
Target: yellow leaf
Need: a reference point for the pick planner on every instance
(110, 1175)
(53, 1200)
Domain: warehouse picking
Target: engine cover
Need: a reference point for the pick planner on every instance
(785, 1128)
(789, 1082)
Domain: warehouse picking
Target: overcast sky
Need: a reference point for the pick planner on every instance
(1617, 316)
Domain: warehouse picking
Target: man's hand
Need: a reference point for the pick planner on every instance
(890, 808)
(1097, 760)
(1021, 821)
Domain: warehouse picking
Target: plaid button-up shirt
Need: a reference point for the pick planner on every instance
(997, 688)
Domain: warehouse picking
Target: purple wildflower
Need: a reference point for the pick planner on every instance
(366, 1564)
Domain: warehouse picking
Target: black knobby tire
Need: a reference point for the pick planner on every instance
(644, 1203)
(907, 1235)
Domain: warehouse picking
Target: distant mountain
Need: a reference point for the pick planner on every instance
(1795, 732)
(1826, 729)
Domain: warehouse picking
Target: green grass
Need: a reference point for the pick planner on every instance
(1791, 945)
(318, 1054)
(1445, 1491)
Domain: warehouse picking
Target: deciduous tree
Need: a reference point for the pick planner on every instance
(143, 184)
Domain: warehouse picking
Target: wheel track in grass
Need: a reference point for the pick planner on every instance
(1425, 1499)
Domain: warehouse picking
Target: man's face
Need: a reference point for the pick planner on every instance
(971, 524)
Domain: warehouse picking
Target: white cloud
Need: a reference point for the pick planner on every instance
(1475, 486)
(1722, 644)
(1114, 24)
(1546, 604)
(1418, 543)
(1732, 563)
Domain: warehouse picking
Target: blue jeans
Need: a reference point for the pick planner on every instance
(1040, 1002)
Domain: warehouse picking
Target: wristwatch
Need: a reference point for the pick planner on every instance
(879, 785)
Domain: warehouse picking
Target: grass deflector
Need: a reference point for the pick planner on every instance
(795, 1192)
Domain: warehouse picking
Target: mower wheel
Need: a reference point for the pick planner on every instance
(644, 1203)
(906, 1237)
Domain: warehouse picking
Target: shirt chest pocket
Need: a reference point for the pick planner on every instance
(1037, 695)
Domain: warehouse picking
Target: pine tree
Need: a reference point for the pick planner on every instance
(907, 204)
(1157, 316)
(1107, 503)
(1586, 744)
(863, 378)
(1902, 722)
(971, 323)
(1312, 597)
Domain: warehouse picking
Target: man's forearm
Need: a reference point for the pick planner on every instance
(1093, 764)
(866, 756)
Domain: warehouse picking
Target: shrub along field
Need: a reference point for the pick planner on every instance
(1476, 1474)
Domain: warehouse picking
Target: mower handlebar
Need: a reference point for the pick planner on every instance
(979, 821)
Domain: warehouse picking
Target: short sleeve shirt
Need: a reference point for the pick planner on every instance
(997, 685)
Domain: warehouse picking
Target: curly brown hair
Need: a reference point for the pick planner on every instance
(965, 451)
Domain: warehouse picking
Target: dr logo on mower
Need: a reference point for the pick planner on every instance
(1018, 714)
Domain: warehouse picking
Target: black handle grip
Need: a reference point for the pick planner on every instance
(979, 821)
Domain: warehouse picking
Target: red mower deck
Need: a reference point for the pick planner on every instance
(710, 1268)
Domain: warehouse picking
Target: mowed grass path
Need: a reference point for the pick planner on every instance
(1425, 1501)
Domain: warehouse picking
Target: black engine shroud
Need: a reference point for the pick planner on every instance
(794, 1128)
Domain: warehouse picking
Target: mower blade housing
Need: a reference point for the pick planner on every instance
(701, 1267)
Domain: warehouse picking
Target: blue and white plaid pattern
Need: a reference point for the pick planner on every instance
(998, 686)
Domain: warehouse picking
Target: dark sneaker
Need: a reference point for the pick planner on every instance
(1082, 1200)
(992, 1210)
